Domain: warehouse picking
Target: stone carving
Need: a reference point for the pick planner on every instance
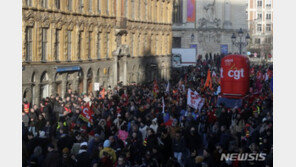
(209, 40)
(209, 20)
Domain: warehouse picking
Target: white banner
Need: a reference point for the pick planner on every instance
(194, 100)
(97, 86)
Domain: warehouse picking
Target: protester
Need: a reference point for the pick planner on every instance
(151, 124)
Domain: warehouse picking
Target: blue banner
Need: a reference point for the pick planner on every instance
(229, 103)
(70, 68)
(224, 49)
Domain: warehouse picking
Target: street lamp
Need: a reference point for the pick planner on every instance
(240, 44)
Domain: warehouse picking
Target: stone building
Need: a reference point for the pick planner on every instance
(208, 25)
(260, 24)
(76, 43)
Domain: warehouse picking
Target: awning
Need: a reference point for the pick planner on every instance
(69, 68)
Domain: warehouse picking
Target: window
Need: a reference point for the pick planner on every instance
(259, 16)
(80, 5)
(259, 27)
(268, 16)
(98, 46)
(29, 2)
(259, 3)
(268, 27)
(44, 45)
(57, 4)
(176, 42)
(57, 45)
(108, 45)
(44, 3)
(29, 44)
(79, 44)
(257, 41)
(90, 5)
(89, 45)
(177, 13)
(98, 6)
(69, 44)
(70, 5)
(268, 3)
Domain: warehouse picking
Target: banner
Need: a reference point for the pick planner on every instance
(86, 115)
(224, 49)
(97, 86)
(191, 11)
(194, 100)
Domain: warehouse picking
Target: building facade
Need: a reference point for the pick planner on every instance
(208, 25)
(76, 43)
(260, 24)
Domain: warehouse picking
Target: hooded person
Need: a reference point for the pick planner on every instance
(107, 149)
(83, 158)
(154, 125)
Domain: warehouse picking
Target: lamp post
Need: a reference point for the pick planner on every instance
(240, 44)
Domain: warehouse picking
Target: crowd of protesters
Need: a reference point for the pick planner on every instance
(131, 127)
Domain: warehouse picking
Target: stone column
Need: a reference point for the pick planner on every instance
(85, 84)
(52, 85)
(64, 85)
(184, 13)
(37, 94)
(75, 83)
(115, 71)
(124, 70)
(227, 13)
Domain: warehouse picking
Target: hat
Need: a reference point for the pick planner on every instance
(97, 135)
(83, 144)
(106, 143)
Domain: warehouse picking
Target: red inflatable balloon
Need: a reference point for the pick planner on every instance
(234, 74)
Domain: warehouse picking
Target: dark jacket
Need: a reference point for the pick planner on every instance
(178, 145)
(83, 160)
(52, 160)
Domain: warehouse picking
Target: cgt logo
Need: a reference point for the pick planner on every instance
(236, 74)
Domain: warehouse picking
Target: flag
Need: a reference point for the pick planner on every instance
(168, 87)
(155, 88)
(209, 80)
(86, 114)
(194, 100)
(102, 94)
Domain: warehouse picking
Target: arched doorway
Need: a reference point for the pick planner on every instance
(89, 81)
(44, 88)
(58, 82)
(28, 95)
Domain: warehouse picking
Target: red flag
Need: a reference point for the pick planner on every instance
(86, 114)
(102, 94)
(208, 81)
(155, 88)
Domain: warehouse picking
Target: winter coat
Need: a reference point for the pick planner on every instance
(110, 151)
(178, 145)
(52, 160)
(83, 159)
